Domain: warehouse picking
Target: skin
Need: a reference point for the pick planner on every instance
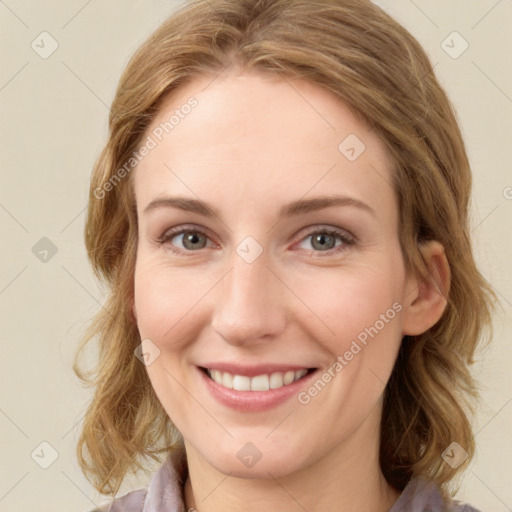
(253, 144)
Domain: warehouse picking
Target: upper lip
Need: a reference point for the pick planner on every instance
(254, 370)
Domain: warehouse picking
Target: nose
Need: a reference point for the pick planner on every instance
(250, 306)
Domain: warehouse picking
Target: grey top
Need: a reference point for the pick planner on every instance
(165, 493)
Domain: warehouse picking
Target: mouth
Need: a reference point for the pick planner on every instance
(262, 382)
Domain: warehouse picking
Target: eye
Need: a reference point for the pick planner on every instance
(326, 240)
(183, 239)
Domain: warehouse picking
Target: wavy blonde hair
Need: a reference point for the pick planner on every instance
(358, 52)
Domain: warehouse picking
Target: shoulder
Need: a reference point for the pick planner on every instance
(130, 502)
(422, 495)
(459, 506)
(164, 492)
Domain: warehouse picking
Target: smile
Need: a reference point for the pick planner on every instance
(264, 382)
(255, 388)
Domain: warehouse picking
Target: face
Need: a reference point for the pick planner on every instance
(269, 282)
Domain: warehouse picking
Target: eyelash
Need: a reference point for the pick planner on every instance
(346, 239)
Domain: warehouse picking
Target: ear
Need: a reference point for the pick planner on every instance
(427, 295)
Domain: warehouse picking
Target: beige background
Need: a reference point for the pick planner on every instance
(53, 124)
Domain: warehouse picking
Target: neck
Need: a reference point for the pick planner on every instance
(348, 478)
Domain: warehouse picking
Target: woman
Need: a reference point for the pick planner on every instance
(281, 215)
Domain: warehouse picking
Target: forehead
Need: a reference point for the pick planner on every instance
(251, 135)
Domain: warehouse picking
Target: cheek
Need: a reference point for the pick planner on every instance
(166, 298)
(363, 309)
(165, 301)
(356, 315)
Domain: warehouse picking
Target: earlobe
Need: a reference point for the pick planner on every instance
(427, 295)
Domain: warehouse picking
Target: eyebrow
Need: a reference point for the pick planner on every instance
(299, 207)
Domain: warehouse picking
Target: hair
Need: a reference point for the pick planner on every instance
(373, 64)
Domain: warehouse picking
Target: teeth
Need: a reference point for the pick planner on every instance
(288, 378)
(227, 380)
(276, 380)
(259, 383)
(241, 383)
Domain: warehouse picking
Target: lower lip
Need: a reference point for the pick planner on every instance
(254, 401)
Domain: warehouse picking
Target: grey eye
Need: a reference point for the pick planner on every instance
(192, 240)
(322, 241)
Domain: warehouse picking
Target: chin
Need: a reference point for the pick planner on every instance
(270, 465)
(259, 459)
